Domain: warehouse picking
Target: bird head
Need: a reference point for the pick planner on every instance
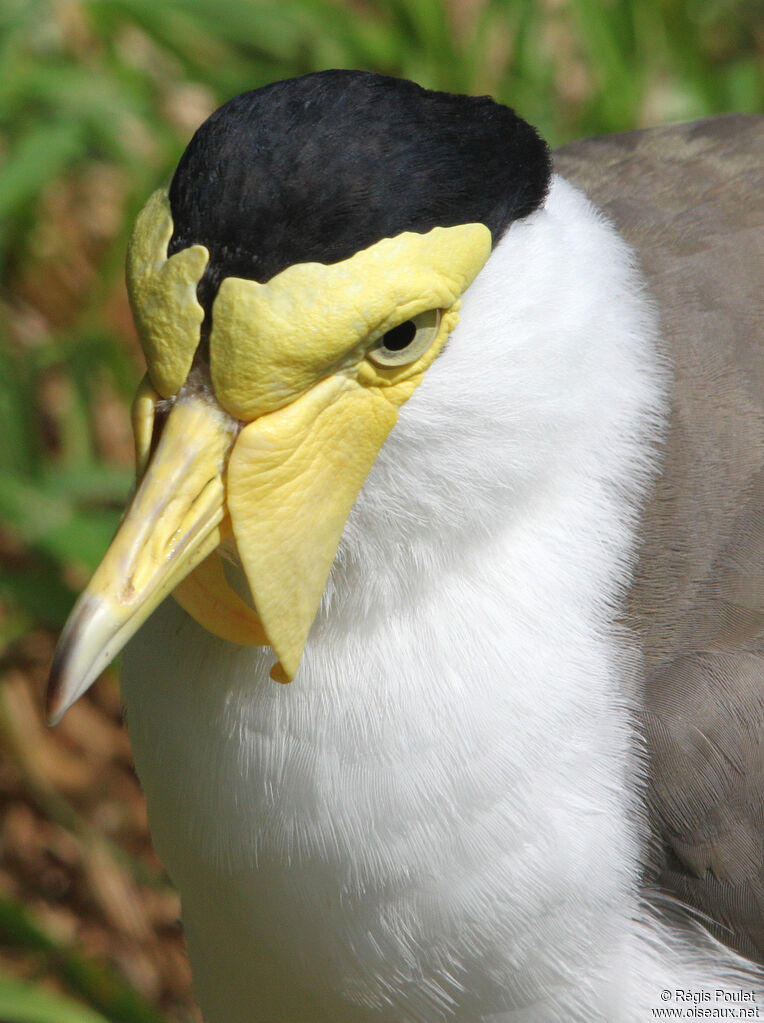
(292, 288)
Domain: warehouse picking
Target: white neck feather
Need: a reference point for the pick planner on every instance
(439, 818)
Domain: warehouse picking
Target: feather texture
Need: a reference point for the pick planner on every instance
(689, 200)
(442, 818)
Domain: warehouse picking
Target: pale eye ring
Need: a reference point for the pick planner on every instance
(405, 343)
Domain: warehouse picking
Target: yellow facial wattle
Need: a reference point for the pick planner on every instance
(162, 294)
(272, 342)
(298, 397)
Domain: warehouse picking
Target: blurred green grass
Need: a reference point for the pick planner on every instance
(97, 100)
(111, 90)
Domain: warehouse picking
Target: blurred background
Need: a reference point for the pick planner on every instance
(97, 100)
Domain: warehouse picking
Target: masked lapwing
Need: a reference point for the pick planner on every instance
(425, 438)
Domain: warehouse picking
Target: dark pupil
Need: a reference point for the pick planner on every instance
(400, 337)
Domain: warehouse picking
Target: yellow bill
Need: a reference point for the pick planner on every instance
(172, 524)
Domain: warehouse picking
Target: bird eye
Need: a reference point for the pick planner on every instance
(406, 342)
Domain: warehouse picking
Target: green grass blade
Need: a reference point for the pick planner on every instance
(23, 1003)
(102, 989)
(39, 156)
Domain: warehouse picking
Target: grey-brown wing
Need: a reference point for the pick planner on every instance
(690, 199)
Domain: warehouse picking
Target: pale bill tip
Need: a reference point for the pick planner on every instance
(85, 648)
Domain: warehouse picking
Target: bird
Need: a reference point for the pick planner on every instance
(450, 453)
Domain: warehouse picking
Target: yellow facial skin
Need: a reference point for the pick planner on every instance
(162, 295)
(313, 321)
(280, 451)
(143, 413)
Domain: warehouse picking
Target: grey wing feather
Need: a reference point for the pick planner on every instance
(690, 199)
